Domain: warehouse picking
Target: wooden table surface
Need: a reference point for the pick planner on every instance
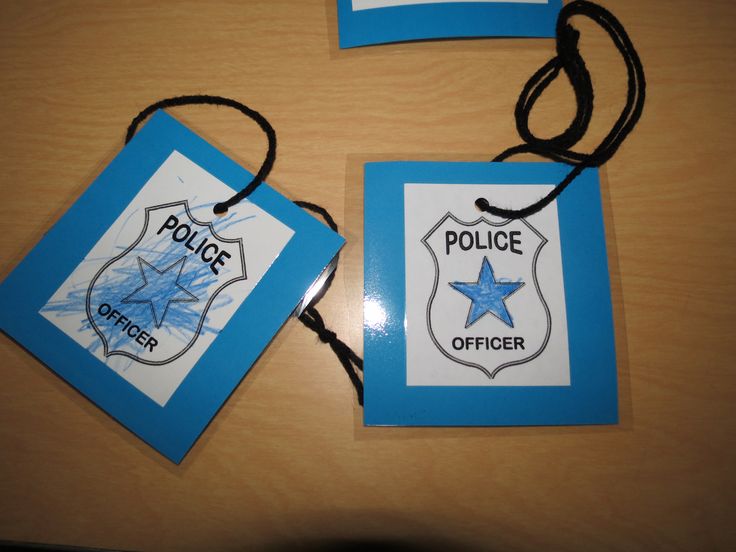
(287, 463)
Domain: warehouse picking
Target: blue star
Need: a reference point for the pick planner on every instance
(160, 289)
(487, 295)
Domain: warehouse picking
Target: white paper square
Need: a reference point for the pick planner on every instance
(532, 319)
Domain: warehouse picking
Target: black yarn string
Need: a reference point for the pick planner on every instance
(200, 99)
(312, 319)
(569, 60)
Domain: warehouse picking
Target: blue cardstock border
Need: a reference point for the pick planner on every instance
(592, 397)
(172, 429)
(428, 21)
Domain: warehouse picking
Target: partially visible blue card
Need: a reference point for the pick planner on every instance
(364, 22)
(150, 304)
(473, 320)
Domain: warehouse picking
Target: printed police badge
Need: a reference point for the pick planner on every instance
(485, 301)
(162, 285)
(486, 309)
(471, 319)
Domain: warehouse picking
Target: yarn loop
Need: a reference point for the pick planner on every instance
(201, 99)
(569, 60)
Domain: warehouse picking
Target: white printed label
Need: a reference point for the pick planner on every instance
(359, 5)
(485, 300)
(156, 289)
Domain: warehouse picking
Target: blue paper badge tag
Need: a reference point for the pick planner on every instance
(149, 303)
(474, 320)
(364, 22)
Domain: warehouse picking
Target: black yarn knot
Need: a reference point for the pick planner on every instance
(351, 362)
(313, 320)
(326, 336)
(567, 46)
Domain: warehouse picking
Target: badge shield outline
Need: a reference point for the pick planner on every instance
(493, 372)
(107, 353)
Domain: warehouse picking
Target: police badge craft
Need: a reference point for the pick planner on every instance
(487, 297)
(472, 319)
(150, 303)
(366, 22)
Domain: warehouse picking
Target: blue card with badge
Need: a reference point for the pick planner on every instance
(151, 305)
(474, 320)
(365, 22)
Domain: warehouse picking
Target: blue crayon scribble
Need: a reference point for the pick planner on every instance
(122, 278)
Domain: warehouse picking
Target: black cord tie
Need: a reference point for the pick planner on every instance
(310, 317)
(220, 208)
(569, 59)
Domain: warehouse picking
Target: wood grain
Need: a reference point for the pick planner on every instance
(287, 461)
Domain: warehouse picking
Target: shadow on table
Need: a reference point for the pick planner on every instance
(318, 545)
(370, 545)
